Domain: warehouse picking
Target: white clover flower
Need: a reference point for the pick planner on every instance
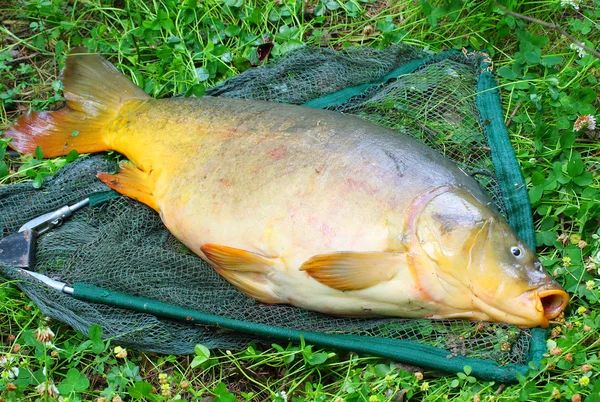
(47, 388)
(572, 3)
(44, 334)
(10, 372)
(579, 48)
(585, 122)
(282, 395)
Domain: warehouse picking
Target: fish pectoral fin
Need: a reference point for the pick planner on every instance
(354, 270)
(235, 259)
(133, 183)
(243, 269)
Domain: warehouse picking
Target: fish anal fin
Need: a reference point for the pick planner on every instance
(133, 183)
(354, 270)
(243, 269)
(235, 259)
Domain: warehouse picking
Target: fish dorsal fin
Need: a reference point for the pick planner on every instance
(243, 269)
(95, 92)
(354, 270)
(235, 259)
(92, 84)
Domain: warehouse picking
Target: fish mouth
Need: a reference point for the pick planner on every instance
(553, 302)
(534, 308)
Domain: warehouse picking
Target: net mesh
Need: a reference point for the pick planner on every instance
(123, 246)
(435, 104)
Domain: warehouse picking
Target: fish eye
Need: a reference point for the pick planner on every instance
(516, 251)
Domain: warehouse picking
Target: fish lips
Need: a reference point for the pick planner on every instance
(533, 308)
(553, 302)
(548, 303)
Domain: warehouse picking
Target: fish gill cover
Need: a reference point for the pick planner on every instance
(433, 97)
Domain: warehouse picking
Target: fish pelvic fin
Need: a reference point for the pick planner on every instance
(95, 91)
(354, 270)
(133, 183)
(235, 259)
(250, 284)
(245, 270)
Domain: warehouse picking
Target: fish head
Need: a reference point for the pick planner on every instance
(484, 271)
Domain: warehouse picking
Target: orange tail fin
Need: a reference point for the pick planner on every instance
(95, 91)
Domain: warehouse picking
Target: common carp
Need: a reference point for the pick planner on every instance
(313, 208)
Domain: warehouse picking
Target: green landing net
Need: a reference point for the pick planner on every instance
(447, 100)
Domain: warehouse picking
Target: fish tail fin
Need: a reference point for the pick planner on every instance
(95, 91)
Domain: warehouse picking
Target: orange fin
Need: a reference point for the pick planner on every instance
(95, 91)
(235, 259)
(252, 284)
(244, 270)
(354, 270)
(133, 183)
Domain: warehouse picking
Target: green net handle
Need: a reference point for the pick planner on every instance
(96, 199)
(506, 166)
(508, 172)
(409, 352)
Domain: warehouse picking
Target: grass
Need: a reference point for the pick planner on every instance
(170, 47)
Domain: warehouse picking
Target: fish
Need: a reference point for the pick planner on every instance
(292, 205)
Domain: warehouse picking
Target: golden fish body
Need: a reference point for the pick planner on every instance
(308, 207)
(264, 178)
